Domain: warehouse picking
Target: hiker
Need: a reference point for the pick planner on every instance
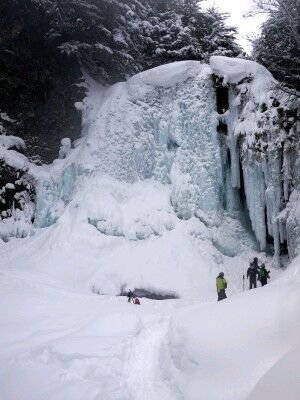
(136, 301)
(129, 296)
(263, 275)
(252, 273)
(221, 286)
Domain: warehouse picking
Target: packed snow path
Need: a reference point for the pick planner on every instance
(57, 344)
(144, 366)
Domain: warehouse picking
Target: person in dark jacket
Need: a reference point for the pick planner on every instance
(252, 273)
(129, 296)
(221, 286)
(264, 275)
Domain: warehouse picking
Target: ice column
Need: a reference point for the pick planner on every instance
(256, 202)
(232, 118)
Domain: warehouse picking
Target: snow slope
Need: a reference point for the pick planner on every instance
(282, 380)
(60, 344)
(222, 350)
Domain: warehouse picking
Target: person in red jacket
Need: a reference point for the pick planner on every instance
(136, 301)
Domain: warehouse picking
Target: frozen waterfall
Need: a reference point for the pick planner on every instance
(220, 137)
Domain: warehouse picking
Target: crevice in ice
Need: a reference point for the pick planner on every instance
(172, 145)
(263, 107)
(153, 294)
(222, 127)
(245, 216)
(284, 248)
(269, 239)
(222, 95)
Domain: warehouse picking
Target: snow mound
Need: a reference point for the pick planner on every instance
(282, 380)
(235, 70)
(12, 141)
(168, 75)
(222, 350)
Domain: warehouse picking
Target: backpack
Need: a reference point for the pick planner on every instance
(136, 301)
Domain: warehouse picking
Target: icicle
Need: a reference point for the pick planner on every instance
(276, 259)
(256, 202)
(232, 118)
(286, 171)
(282, 230)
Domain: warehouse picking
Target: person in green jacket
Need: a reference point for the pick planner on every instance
(263, 275)
(221, 286)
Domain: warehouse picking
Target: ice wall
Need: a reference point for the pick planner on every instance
(222, 137)
(159, 124)
(263, 138)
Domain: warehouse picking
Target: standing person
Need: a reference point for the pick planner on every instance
(264, 275)
(129, 296)
(252, 273)
(221, 286)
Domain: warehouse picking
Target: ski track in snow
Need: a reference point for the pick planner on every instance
(144, 380)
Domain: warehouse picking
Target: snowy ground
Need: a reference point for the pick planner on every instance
(57, 344)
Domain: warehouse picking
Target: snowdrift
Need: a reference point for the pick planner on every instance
(223, 350)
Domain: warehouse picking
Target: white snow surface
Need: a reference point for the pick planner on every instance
(143, 200)
(282, 380)
(235, 70)
(9, 141)
(57, 343)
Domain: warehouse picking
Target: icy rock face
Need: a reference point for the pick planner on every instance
(263, 139)
(159, 124)
(221, 137)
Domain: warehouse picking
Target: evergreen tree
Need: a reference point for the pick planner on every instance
(180, 30)
(278, 47)
(44, 44)
(104, 34)
(168, 36)
(216, 37)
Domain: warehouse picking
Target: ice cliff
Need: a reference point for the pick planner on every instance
(217, 142)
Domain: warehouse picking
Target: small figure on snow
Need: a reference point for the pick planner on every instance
(129, 296)
(221, 286)
(252, 273)
(136, 300)
(264, 275)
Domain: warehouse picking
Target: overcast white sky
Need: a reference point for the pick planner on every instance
(236, 8)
